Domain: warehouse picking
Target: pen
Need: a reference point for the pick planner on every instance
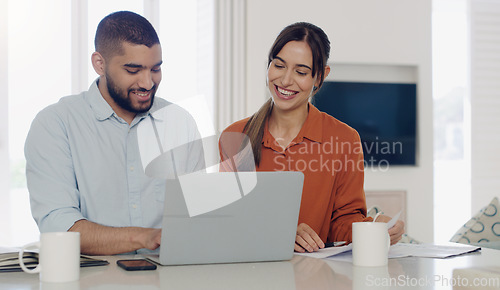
(334, 244)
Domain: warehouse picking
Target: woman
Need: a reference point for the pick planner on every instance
(288, 133)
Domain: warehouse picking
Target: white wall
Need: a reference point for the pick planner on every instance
(386, 32)
(4, 126)
(484, 97)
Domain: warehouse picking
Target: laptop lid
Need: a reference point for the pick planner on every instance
(228, 217)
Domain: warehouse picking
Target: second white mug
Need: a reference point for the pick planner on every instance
(59, 257)
(370, 244)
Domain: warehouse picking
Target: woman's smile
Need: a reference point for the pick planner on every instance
(284, 93)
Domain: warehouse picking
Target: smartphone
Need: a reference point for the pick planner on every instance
(136, 265)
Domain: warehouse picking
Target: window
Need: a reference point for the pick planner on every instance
(43, 66)
(451, 165)
(39, 70)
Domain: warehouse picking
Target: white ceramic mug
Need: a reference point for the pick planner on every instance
(59, 257)
(370, 244)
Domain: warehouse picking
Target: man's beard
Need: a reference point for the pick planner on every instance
(123, 100)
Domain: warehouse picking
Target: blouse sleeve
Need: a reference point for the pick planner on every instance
(350, 203)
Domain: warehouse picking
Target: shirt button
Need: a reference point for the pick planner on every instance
(131, 168)
(134, 206)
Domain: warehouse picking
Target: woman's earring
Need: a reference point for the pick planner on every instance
(315, 88)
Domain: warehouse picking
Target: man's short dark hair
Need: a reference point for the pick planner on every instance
(123, 26)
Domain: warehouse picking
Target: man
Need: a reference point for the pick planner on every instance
(84, 165)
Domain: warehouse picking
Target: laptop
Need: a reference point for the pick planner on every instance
(230, 217)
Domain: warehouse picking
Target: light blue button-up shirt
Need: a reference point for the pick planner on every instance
(84, 162)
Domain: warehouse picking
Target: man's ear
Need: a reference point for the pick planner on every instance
(98, 62)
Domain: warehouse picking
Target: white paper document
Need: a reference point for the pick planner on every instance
(393, 221)
(429, 250)
(344, 253)
(332, 251)
(327, 252)
(5, 250)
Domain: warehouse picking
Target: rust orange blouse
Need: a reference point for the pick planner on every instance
(330, 155)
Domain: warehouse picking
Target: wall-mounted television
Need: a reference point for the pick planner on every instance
(384, 114)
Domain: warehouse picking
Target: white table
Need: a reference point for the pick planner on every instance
(299, 273)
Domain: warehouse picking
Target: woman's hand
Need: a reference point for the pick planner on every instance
(307, 239)
(396, 232)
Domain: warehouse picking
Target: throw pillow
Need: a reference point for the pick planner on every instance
(483, 227)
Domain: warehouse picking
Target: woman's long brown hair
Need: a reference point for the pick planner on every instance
(318, 41)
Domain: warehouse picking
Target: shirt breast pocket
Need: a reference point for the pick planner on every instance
(159, 189)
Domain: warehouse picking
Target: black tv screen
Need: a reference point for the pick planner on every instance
(384, 114)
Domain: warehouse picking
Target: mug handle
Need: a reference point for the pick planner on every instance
(21, 262)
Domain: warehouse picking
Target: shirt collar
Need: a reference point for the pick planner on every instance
(312, 130)
(313, 127)
(102, 110)
(268, 139)
(153, 112)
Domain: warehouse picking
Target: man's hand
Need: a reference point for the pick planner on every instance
(396, 232)
(153, 239)
(307, 239)
(97, 239)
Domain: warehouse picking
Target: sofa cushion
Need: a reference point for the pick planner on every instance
(483, 227)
